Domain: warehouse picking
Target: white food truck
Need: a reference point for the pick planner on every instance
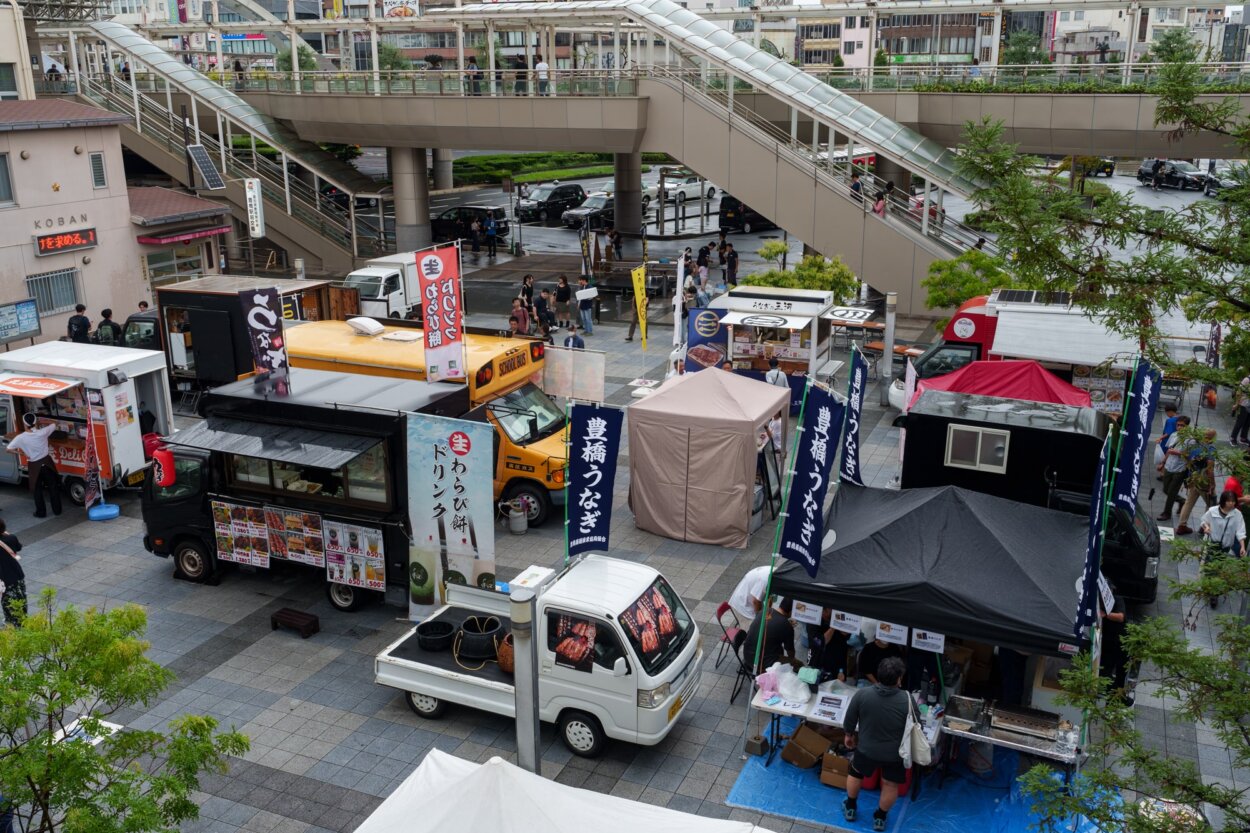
(387, 285)
(619, 656)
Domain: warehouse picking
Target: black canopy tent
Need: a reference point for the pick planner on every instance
(961, 563)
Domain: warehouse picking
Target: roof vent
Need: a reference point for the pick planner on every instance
(364, 326)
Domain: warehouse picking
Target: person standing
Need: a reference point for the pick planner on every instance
(875, 723)
(519, 86)
(1201, 479)
(633, 324)
(473, 75)
(492, 232)
(126, 71)
(747, 599)
(564, 297)
(573, 340)
(1173, 468)
(1224, 530)
(1156, 174)
(775, 375)
(586, 306)
(143, 306)
(878, 204)
(78, 328)
(1113, 662)
(475, 235)
(1241, 425)
(108, 331)
(522, 316)
(14, 578)
(40, 469)
(238, 74)
(857, 188)
(540, 69)
(527, 291)
(731, 265)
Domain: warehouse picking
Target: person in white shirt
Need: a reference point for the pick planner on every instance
(40, 469)
(1224, 528)
(748, 596)
(540, 69)
(774, 431)
(775, 375)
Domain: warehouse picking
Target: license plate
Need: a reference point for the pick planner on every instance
(674, 709)
(136, 477)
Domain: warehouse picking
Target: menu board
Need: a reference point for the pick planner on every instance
(1106, 385)
(832, 706)
(295, 536)
(650, 621)
(355, 555)
(242, 536)
(18, 320)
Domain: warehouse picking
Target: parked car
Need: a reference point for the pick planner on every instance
(1105, 166)
(334, 195)
(1225, 176)
(680, 189)
(1176, 174)
(454, 223)
(735, 215)
(546, 202)
(597, 211)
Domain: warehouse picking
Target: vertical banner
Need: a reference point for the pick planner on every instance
(262, 315)
(639, 274)
(595, 443)
(909, 391)
(1208, 397)
(1087, 588)
(583, 235)
(255, 209)
(679, 300)
(438, 272)
(804, 527)
(849, 469)
(91, 463)
(645, 258)
(451, 507)
(707, 342)
(1143, 398)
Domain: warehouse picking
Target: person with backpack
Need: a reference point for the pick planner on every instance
(108, 331)
(78, 328)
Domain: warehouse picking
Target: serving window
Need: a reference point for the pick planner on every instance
(363, 480)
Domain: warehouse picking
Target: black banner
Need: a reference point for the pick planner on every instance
(595, 442)
(262, 314)
(804, 529)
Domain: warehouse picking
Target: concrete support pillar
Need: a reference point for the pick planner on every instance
(410, 178)
(442, 169)
(627, 171)
(887, 171)
(996, 38)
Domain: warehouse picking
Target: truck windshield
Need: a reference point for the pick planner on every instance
(1144, 527)
(527, 414)
(943, 358)
(657, 625)
(369, 286)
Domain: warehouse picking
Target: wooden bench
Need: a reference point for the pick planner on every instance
(306, 623)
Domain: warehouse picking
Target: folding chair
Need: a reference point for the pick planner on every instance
(727, 632)
(744, 673)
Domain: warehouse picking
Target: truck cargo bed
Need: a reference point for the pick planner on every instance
(410, 651)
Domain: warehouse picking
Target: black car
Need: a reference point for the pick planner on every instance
(1222, 179)
(1174, 174)
(546, 202)
(454, 223)
(736, 215)
(598, 211)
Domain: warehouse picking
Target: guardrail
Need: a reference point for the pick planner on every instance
(1041, 78)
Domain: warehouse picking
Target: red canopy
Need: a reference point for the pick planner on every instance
(1025, 380)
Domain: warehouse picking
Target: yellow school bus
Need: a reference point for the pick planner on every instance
(530, 430)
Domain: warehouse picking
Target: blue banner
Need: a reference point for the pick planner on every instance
(804, 528)
(1138, 414)
(849, 470)
(595, 443)
(1087, 608)
(707, 342)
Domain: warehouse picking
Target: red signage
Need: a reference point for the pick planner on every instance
(65, 241)
(439, 277)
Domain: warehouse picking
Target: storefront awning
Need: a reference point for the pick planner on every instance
(286, 444)
(38, 387)
(766, 319)
(182, 236)
(849, 313)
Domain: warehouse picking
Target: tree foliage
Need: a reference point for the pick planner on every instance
(89, 664)
(1174, 46)
(307, 60)
(1023, 47)
(390, 57)
(881, 59)
(973, 273)
(812, 272)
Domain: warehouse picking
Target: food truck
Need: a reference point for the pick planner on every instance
(318, 477)
(206, 311)
(113, 392)
(530, 428)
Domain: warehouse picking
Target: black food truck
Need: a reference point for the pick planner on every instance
(318, 477)
(1038, 453)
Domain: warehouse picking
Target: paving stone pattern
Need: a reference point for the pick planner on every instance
(328, 744)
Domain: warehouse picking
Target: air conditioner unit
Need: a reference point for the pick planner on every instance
(364, 326)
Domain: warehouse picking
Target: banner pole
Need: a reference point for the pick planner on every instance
(464, 342)
(568, 446)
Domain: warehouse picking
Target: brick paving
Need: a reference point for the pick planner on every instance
(328, 744)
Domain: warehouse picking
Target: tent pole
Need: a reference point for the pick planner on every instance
(568, 443)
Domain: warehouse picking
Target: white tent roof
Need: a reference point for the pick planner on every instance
(446, 793)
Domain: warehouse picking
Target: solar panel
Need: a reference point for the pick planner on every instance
(208, 174)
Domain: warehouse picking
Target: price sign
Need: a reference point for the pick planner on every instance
(65, 241)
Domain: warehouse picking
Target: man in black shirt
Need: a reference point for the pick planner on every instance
(78, 328)
(871, 655)
(108, 331)
(731, 265)
(778, 636)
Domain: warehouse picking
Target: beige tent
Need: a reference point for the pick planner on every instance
(693, 447)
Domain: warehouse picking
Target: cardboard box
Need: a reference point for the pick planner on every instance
(805, 748)
(833, 771)
(833, 734)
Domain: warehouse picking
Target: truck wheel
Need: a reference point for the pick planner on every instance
(746, 228)
(646, 201)
(76, 488)
(344, 598)
(191, 561)
(393, 314)
(582, 734)
(681, 196)
(711, 192)
(537, 501)
(423, 705)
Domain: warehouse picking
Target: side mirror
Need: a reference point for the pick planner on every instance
(620, 668)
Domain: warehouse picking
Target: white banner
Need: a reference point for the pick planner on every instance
(574, 374)
(255, 208)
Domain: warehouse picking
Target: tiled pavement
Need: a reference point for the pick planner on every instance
(328, 744)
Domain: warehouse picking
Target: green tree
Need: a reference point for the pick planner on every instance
(881, 59)
(391, 58)
(307, 60)
(1023, 47)
(89, 664)
(774, 250)
(1174, 46)
(973, 273)
(812, 272)
(837, 60)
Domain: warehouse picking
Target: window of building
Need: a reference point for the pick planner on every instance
(981, 449)
(1064, 17)
(170, 264)
(848, 48)
(98, 179)
(1078, 15)
(8, 82)
(850, 22)
(1161, 14)
(6, 184)
(54, 291)
(819, 56)
(820, 31)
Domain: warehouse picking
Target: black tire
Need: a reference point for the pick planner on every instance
(423, 705)
(746, 228)
(192, 561)
(344, 598)
(76, 488)
(582, 734)
(393, 314)
(537, 498)
(542, 215)
(681, 197)
(646, 202)
(711, 192)
(1182, 185)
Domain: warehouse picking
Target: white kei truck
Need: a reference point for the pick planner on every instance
(619, 656)
(387, 285)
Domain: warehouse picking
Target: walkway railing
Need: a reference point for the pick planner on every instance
(1025, 78)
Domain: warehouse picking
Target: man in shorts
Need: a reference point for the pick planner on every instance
(876, 720)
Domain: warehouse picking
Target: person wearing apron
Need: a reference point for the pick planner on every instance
(40, 469)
